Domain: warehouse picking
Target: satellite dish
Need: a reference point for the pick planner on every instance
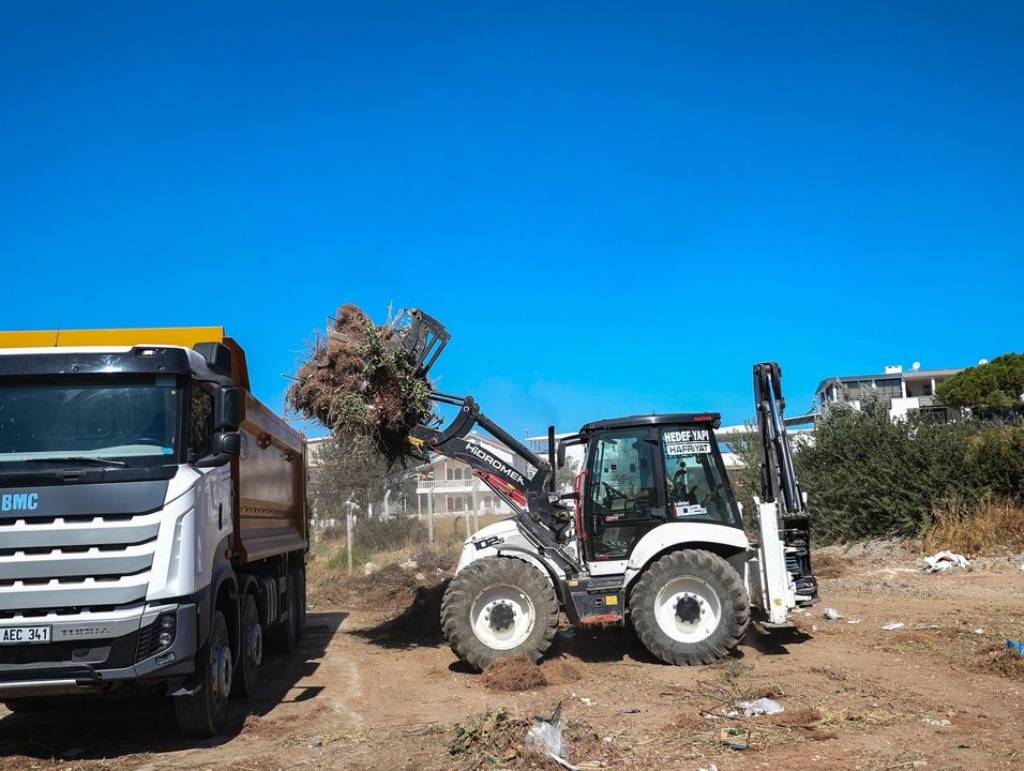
(982, 361)
(916, 366)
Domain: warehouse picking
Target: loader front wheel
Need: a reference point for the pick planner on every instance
(690, 607)
(498, 607)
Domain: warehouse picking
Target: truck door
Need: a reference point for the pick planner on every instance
(624, 496)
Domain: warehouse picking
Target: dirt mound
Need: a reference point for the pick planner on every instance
(559, 672)
(798, 717)
(516, 673)
(1001, 660)
(356, 385)
(387, 590)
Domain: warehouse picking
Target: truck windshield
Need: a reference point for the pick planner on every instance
(131, 420)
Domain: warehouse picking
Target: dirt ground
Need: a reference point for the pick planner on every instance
(374, 686)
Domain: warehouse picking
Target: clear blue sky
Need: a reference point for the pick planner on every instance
(615, 207)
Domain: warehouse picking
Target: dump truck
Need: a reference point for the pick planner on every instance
(153, 520)
(651, 536)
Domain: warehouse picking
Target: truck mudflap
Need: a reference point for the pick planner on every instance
(595, 601)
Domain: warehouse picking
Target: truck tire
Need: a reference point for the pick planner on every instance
(498, 607)
(300, 588)
(250, 650)
(284, 634)
(203, 713)
(690, 607)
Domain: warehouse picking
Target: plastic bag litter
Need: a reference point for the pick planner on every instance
(544, 737)
(945, 560)
(893, 626)
(762, 706)
(831, 614)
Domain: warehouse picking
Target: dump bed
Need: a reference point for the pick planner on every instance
(270, 475)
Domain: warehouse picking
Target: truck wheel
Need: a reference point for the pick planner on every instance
(300, 590)
(247, 673)
(690, 607)
(203, 713)
(498, 607)
(284, 634)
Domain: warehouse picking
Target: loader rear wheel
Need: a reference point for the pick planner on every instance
(498, 607)
(690, 607)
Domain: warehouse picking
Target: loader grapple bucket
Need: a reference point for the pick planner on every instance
(422, 336)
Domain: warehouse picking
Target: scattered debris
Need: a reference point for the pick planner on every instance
(629, 711)
(854, 620)
(357, 385)
(1016, 646)
(892, 627)
(945, 560)
(1001, 660)
(831, 614)
(709, 767)
(516, 673)
(762, 706)
(370, 568)
(939, 723)
(409, 564)
(545, 736)
(729, 736)
(316, 741)
(979, 631)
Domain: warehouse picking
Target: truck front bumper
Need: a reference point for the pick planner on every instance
(87, 656)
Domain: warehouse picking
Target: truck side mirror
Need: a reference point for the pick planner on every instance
(561, 455)
(225, 446)
(227, 409)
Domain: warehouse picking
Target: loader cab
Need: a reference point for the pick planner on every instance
(648, 470)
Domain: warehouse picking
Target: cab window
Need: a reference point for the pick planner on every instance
(622, 492)
(698, 488)
(200, 433)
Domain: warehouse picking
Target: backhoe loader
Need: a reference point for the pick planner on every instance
(651, 534)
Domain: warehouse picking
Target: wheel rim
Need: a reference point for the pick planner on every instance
(254, 643)
(502, 617)
(688, 609)
(221, 672)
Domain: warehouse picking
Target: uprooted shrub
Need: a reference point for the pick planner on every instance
(356, 384)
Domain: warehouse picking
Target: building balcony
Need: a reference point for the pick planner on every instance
(450, 486)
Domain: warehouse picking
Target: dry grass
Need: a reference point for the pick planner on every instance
(985, 526)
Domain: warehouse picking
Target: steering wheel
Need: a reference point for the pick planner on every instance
(611, 492)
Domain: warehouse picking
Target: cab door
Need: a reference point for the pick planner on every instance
(624, 495)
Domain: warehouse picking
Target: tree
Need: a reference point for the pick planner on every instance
(997, 385)
(350, 468)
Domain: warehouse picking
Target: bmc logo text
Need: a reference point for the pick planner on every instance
(19, 501)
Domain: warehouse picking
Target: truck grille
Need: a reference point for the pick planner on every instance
(75, 562)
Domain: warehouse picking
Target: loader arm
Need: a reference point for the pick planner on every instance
(544, 518)
(784, 550)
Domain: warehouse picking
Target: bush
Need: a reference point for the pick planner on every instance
(870, 477)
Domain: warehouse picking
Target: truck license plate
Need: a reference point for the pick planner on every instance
(14, 635)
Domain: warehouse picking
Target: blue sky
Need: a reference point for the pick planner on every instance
(614, 207)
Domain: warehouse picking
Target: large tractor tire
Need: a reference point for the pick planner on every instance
(498, 607)
(690, 607)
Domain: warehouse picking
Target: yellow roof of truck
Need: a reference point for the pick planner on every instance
(186, 337)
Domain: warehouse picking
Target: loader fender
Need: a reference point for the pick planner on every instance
(502, 539)
(729, 542)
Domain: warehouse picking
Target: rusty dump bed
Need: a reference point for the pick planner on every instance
(270, 474)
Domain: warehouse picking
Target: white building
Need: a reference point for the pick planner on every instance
(446, 486)
(901, 392)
